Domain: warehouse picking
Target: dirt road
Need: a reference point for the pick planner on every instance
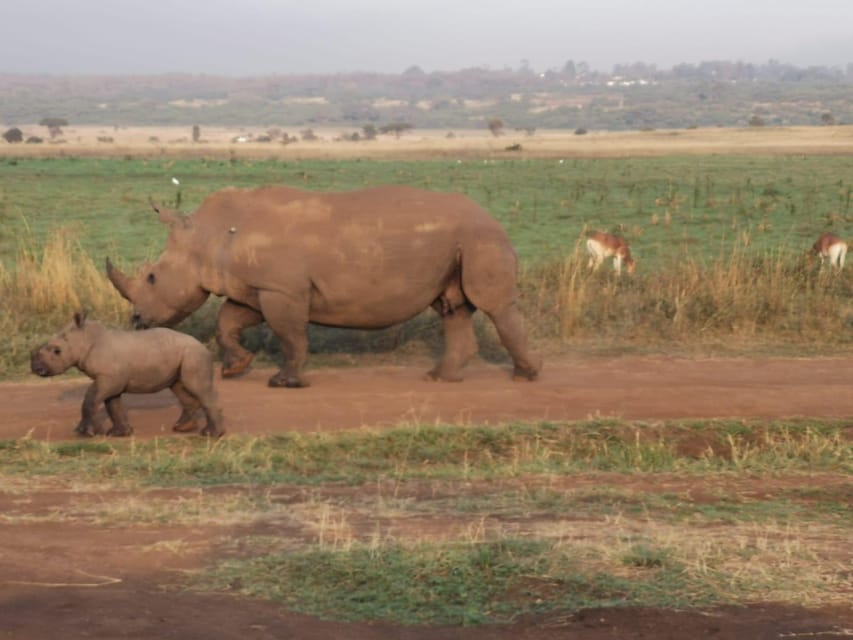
(62, 572)
(381, 397)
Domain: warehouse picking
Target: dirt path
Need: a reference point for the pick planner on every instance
(379, 397)
(64, 574)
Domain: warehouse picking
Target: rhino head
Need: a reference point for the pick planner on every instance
(168, 290)
(62, 351)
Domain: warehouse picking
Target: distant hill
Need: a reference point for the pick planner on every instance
(636, 96)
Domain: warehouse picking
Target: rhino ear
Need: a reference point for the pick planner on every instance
(80, 318)
(168, 216)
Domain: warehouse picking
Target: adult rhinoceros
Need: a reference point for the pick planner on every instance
(363, 259)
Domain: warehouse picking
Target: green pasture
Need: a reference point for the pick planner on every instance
(433, 524)
(720, 243)
(705, 203)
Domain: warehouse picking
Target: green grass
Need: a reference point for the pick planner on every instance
(444, 452)
(475, 525)
(719, 242)
(452, 584)
(708, 201)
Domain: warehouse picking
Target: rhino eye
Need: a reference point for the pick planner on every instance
(57, 351)
(151, 279)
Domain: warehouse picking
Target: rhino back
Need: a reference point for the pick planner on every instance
(141, 361)
(381, 254)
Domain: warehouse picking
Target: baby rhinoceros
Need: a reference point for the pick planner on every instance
(132, 362)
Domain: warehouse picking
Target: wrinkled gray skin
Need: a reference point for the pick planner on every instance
(364, 259)
(132, 362)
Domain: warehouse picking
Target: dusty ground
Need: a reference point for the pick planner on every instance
(219, 142)
(376, 397)
(82, 577)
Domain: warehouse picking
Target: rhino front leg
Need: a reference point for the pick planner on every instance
(288, 319)
(513, 334)
(233, 317)
(88, 426)
(118, 415)
(460, 344)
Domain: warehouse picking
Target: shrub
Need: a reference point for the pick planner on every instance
(13, 135)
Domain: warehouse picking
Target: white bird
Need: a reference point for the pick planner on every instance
(176, 181)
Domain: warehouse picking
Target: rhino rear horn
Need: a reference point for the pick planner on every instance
(119, 280)
(167, 216)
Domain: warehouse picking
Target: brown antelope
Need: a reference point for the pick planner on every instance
(832, 249)
(602, 245)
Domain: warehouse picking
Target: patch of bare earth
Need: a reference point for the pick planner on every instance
(81, 560)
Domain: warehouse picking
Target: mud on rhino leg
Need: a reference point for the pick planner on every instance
(87, 425)
(118, 415)
(460, 344)
(288, 320)
(513, 334)
(189, 405)
(230, 322)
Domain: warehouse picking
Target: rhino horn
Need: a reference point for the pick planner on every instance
(119, 280)
(167, 216)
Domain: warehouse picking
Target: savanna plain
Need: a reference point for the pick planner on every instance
(377, 505)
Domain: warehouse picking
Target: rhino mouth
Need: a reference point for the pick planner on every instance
(40, 369)
(138, 323)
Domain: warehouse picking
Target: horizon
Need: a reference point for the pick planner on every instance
(330, 37)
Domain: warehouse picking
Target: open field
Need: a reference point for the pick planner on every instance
(176, 142)
(682, 468)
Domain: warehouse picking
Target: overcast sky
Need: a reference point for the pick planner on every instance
(252, 37)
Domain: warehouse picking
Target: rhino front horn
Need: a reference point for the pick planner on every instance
(119, 280)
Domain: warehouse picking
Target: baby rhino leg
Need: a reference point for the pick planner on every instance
(118, 415)
(189, 406)
(196, 385)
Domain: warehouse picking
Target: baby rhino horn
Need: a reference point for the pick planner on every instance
(119, 280)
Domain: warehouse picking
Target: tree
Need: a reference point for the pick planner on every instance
(196, 133)
(496, 126)
(397, 128)
(14, 135)
(827, 119)
(54, 125)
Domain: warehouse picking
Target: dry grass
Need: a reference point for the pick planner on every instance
(761, 298)
(44, 289)
(217, 142)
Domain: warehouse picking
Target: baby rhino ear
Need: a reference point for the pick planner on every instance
(79, 319)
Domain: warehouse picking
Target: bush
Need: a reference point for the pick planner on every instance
(13, 135)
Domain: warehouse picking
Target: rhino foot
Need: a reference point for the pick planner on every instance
(212, 432)
(290, 382)
(435, 375)
(185, 426)
(521, 373)
(119, 432)
(87, 430)
(234, 366)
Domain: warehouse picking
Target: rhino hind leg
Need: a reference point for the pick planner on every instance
(195, 391)
(230, 322)
(489, 281)
(460, 343)
(513, 335)
(118, 416)
(189, 407)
